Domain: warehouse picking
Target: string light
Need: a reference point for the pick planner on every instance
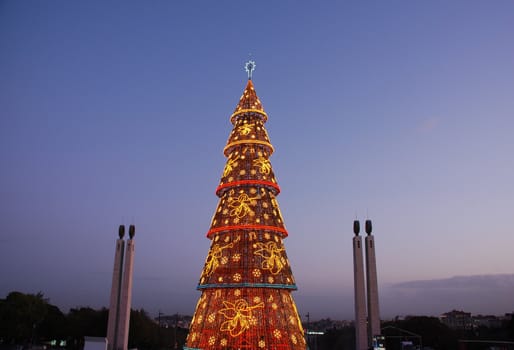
(246, 282)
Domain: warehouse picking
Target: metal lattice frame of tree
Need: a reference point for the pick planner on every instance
(246, 282)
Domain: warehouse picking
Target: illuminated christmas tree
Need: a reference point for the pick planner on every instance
(246, 283)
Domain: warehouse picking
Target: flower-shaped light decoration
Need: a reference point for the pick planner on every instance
(249, 68)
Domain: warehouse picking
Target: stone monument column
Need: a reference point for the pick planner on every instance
(361, 337)
(117, 274)
(126, 292)
(372, 285)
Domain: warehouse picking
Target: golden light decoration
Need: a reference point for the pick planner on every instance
(212, 340)
(214, 258)
(275, 206)
(242, 142)
(245, 129)
(238, 315)
(298, 320)
(292, 320)
(241, 206)
(253, 321)
(231, 164)
(263, 165)
(272, 256)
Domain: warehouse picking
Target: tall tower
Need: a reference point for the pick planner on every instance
(121, 292)
(372, 285)
(361, 337)
(246, 282)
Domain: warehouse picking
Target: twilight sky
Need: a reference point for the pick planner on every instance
(397, 111)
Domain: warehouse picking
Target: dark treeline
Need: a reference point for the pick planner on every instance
(29, 320)
(436, 335)
(433, 334)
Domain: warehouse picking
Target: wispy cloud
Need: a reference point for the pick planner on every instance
(479, 294)
(462, 282)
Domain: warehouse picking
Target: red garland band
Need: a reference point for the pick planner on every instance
(248, 227)
(248, 182)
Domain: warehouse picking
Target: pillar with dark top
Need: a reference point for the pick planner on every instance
(361, 338)
(117, 275)
(121, 292)
(372, 285)
(126, 292)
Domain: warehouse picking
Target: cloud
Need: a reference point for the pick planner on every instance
(479, 294)
(476, 281)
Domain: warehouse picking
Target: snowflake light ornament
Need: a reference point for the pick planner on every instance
(249, 68)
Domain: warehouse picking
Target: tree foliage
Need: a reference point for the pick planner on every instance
(22, 315)
(31, 319)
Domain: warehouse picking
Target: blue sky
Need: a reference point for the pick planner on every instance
(397, 111)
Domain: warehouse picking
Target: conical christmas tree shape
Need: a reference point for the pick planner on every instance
(246, 283)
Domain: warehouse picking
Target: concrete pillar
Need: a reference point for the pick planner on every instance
(372, 287)
(361, 337)
(112, 323)
(126, 297)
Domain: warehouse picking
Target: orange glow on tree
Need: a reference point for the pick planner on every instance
(246, 282)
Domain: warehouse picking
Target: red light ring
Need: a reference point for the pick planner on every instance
(248, 182)
(248, 227)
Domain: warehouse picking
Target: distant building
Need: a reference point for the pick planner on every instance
(508, 316)
(488, 321)
(327, 324)
(169, 321)
(457, 319)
